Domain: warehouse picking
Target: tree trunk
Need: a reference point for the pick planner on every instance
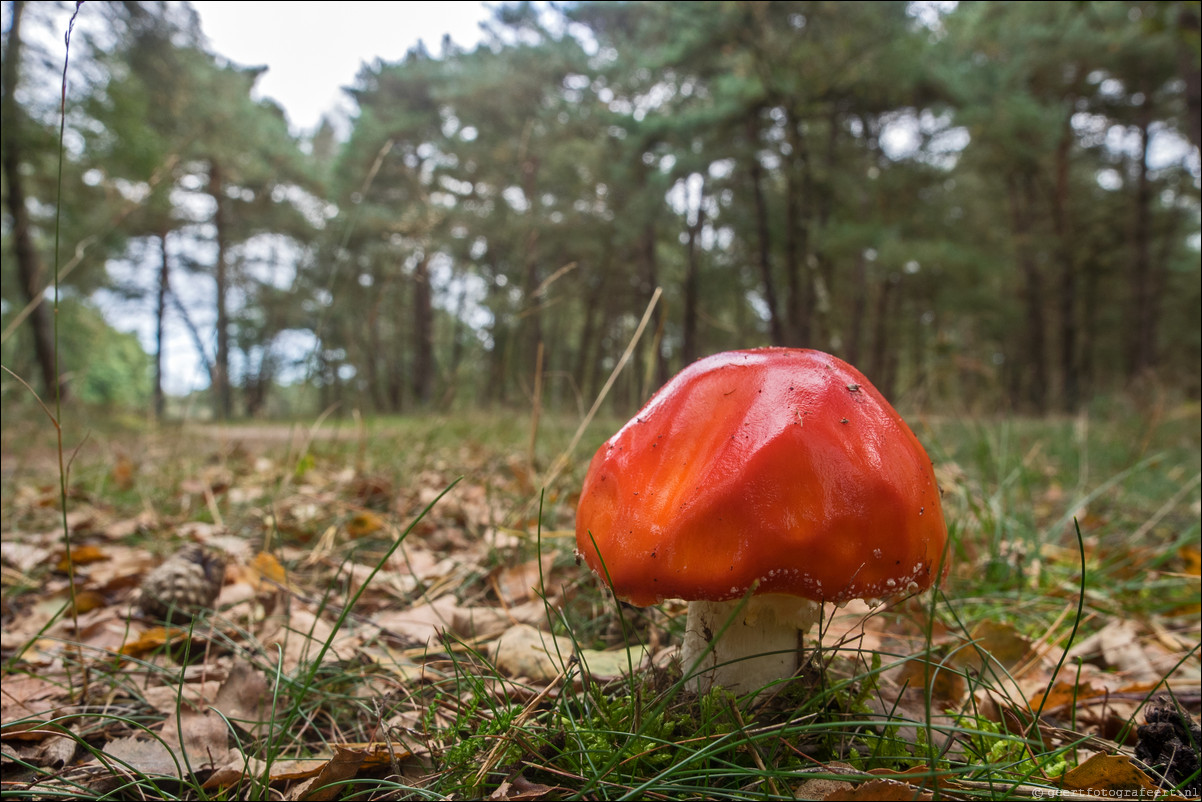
(1069, 366)
(222, 395)
(591, 323)
(647, 256)
(29, 267)
(763, 243)
(882, 364)
(1191, 71)
(423, 333)
(374, 354)
(1141, 342)
(859, 310)
(797, 236)
(1034, 392)
(692, 282)
(160, 401)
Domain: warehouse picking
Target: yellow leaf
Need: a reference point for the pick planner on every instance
(81, 555)
(151, 640)
(1193, 559)
(1104, 775)
(363, 523)
(269, 568)
(88, 600)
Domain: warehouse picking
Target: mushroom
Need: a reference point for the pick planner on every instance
(777, 474)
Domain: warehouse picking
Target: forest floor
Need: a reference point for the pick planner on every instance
(393, 609)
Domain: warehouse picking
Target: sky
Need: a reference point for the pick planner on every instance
(313, 49)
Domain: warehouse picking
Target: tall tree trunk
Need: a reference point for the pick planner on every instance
(882, 364)
(859, 310)
(763, 241)
(160, 315)
(423, 333)
(1191, 71)
(647, 255)
(1141, 342)
(374, 356)
(532, 324)
(591, 323)
(1069, 366)
(496, 388)
(692, 282)
(796, 236)
(457, 336)
(1021, 197)
(223, 397)
(29, 267)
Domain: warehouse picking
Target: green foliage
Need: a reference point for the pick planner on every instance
(1000, 756)
(102, 366)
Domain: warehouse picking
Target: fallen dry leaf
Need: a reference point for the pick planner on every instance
(364, 523)
(519, 788)
(330, 781)
(245, 696)
(153, 639)
(199, 737)
(144, 755)
(1110, 776)
(881, 791)
(523, 651)
(81, 555)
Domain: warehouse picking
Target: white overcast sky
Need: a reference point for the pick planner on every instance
(313, 49)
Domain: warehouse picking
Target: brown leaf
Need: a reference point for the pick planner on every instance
(123, 472)
(946, 682)
(152, 639)
(144, 755)
(1065, 695)
(820, 788)
(244, 695)
(201, 736)
(1192, 556)
(518, 788)
(518, 583)
(421, 623)
(882, 791)
(1006, 644)
(1106, 775)
(1117, 646)
(57, 751)
(376, 754)
(81, 555)
(524, 651)
(331, 779)
(27, 697)
(364, 523)
(267, 567)
(88, 600)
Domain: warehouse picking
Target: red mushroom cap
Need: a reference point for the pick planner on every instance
(780, 466)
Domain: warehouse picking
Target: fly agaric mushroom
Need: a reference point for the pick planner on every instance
(778, 472)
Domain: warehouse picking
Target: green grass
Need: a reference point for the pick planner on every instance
(464, 729)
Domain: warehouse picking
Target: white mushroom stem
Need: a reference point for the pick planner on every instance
(762, 643)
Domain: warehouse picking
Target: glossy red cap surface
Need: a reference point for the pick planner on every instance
(779, 465)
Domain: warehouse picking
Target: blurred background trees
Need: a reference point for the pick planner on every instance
(985, 206)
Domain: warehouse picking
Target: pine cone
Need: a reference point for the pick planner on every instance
(186, 584)
(1169, 744)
